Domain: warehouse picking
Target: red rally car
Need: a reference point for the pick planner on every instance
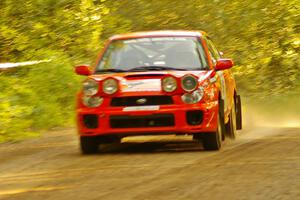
(160, 82)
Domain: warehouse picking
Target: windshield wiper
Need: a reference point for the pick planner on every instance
(155, 68)
(110, 70)
(142, 69)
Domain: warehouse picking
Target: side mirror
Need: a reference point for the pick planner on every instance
(83, 70)
(223, 64)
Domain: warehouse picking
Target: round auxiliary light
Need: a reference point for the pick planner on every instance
(189, 83)
(110, 86)
(169, 84)
(90, 87)
(92, 102)
(194, 97)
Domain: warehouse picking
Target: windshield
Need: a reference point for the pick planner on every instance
(157, 53)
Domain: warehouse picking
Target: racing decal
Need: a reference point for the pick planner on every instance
(143, 85)
(223, 89)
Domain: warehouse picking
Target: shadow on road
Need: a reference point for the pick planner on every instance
(151, 147)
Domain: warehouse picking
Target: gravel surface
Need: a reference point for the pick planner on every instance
(263, 163)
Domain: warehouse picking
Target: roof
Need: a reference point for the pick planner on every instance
(158, 34)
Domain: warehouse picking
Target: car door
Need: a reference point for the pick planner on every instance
(225, 77)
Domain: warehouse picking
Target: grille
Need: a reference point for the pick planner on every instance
(155, 120)
(141, 101)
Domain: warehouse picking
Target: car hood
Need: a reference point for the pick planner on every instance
(151, 74)
(147, 81)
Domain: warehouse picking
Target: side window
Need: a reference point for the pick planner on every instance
(216, 52)
(212, 51)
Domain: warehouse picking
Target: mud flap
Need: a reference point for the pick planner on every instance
(238, 111)
(221, 113)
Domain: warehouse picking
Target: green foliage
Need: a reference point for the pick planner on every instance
(37, 97)
(42, 96)
(262, 36)
(14, 114)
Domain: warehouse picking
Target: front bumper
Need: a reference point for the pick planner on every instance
(167, 119)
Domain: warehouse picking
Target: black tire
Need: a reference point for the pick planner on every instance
(213, 141)
(239, 119)
(231, 125)
(89, 145)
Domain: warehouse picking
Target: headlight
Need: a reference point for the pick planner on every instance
(194, 97)
(189, 83)
(90, 87)
(92, 101)
(169, 84)
(110, 86)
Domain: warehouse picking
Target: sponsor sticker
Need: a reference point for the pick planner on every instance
(141, 85)
(141, 108)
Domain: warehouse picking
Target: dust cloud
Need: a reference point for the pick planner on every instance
(271, 114)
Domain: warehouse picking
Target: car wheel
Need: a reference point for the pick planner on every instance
(231, 125)
(213, 141)
(239, 121)
(89, 145)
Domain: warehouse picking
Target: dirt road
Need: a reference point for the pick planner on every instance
(263, 163)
